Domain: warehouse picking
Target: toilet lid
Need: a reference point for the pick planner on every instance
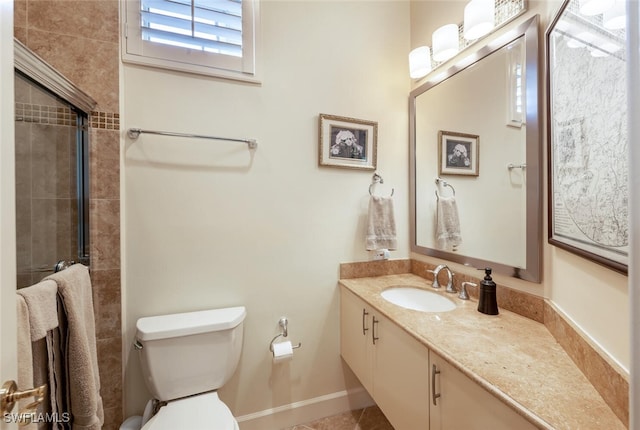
(205, 411)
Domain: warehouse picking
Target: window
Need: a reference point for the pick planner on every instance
(211, 37)
(516, 114)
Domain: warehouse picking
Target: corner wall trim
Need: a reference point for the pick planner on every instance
(306, 410)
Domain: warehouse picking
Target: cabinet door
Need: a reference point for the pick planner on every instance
(355, 337)
(400, 376)
(460, 403)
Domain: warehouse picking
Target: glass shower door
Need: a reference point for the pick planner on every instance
(51, 182)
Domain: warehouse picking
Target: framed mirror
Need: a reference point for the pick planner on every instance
(485, 109)
(588, 142)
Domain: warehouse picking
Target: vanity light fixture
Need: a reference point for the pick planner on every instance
(445, 42)
(479, 18)
(419, 62)
(615, 17)
(594, 7)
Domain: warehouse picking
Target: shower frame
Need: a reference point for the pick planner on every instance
(35, 69)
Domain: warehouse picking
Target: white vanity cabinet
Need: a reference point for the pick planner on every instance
(414, 387)
(459, 403)
(391, 365)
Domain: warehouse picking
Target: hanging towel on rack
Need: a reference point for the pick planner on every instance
(41, 300)
(38, 324)
(447, 224)
(74, 288)
(381, 225)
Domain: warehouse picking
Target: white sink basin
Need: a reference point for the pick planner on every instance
(418, 299)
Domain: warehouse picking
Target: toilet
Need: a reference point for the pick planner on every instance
(185, 358)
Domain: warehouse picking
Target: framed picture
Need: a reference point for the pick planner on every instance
(348, 142)
(457, 153)
(588, 143)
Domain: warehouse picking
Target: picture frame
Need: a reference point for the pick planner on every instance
(588, 194)
(458, 153)
(347, 142)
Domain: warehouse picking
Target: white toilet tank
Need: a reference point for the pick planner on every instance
(189, 353)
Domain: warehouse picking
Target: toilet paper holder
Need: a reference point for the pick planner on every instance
(284, 325)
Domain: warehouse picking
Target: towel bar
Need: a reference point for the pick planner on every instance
(134, 133)
(512, 166)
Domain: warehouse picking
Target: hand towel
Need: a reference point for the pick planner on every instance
(40, 303)
(381, 225)
(41, 300)
(25, 363)
(74, 288)
(448, 235)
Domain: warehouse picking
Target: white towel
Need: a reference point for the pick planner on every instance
(381, 226)
(447, 224)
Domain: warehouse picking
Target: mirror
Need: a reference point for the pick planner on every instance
(486, 110)
(588, 171)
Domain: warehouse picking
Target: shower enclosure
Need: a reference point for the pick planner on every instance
(52, 169)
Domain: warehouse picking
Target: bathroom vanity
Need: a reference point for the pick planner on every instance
(461, 369)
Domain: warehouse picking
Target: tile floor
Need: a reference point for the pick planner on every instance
(362, 419)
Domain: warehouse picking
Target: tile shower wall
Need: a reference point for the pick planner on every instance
(80, 39)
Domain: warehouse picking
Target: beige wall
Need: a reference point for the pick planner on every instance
(593, 297)
(208, 225)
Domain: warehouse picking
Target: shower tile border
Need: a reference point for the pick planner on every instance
(58, 115)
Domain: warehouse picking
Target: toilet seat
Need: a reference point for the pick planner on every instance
(204, 411)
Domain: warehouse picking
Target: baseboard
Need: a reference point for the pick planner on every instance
(305, 411)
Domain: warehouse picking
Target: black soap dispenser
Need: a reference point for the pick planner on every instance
(487, 303)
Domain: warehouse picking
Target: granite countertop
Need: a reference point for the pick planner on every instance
(514, 358)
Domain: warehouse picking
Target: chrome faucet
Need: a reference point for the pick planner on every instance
(436, 283)
(464, 295)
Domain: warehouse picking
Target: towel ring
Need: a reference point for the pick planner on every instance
(377, 179)
(440, 181)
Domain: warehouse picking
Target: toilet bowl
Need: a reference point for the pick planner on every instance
(204, 411)
(185, 358)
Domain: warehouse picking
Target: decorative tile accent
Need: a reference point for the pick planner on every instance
(41, 114)
(105, 120)
(56, 115)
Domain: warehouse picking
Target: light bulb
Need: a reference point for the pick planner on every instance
(419, 62)
(616, 17)
(445, 42)
(478, 18)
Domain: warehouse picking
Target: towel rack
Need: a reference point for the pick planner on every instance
(134, 133)
(512, 166)
(375, 180)
(440, 181)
